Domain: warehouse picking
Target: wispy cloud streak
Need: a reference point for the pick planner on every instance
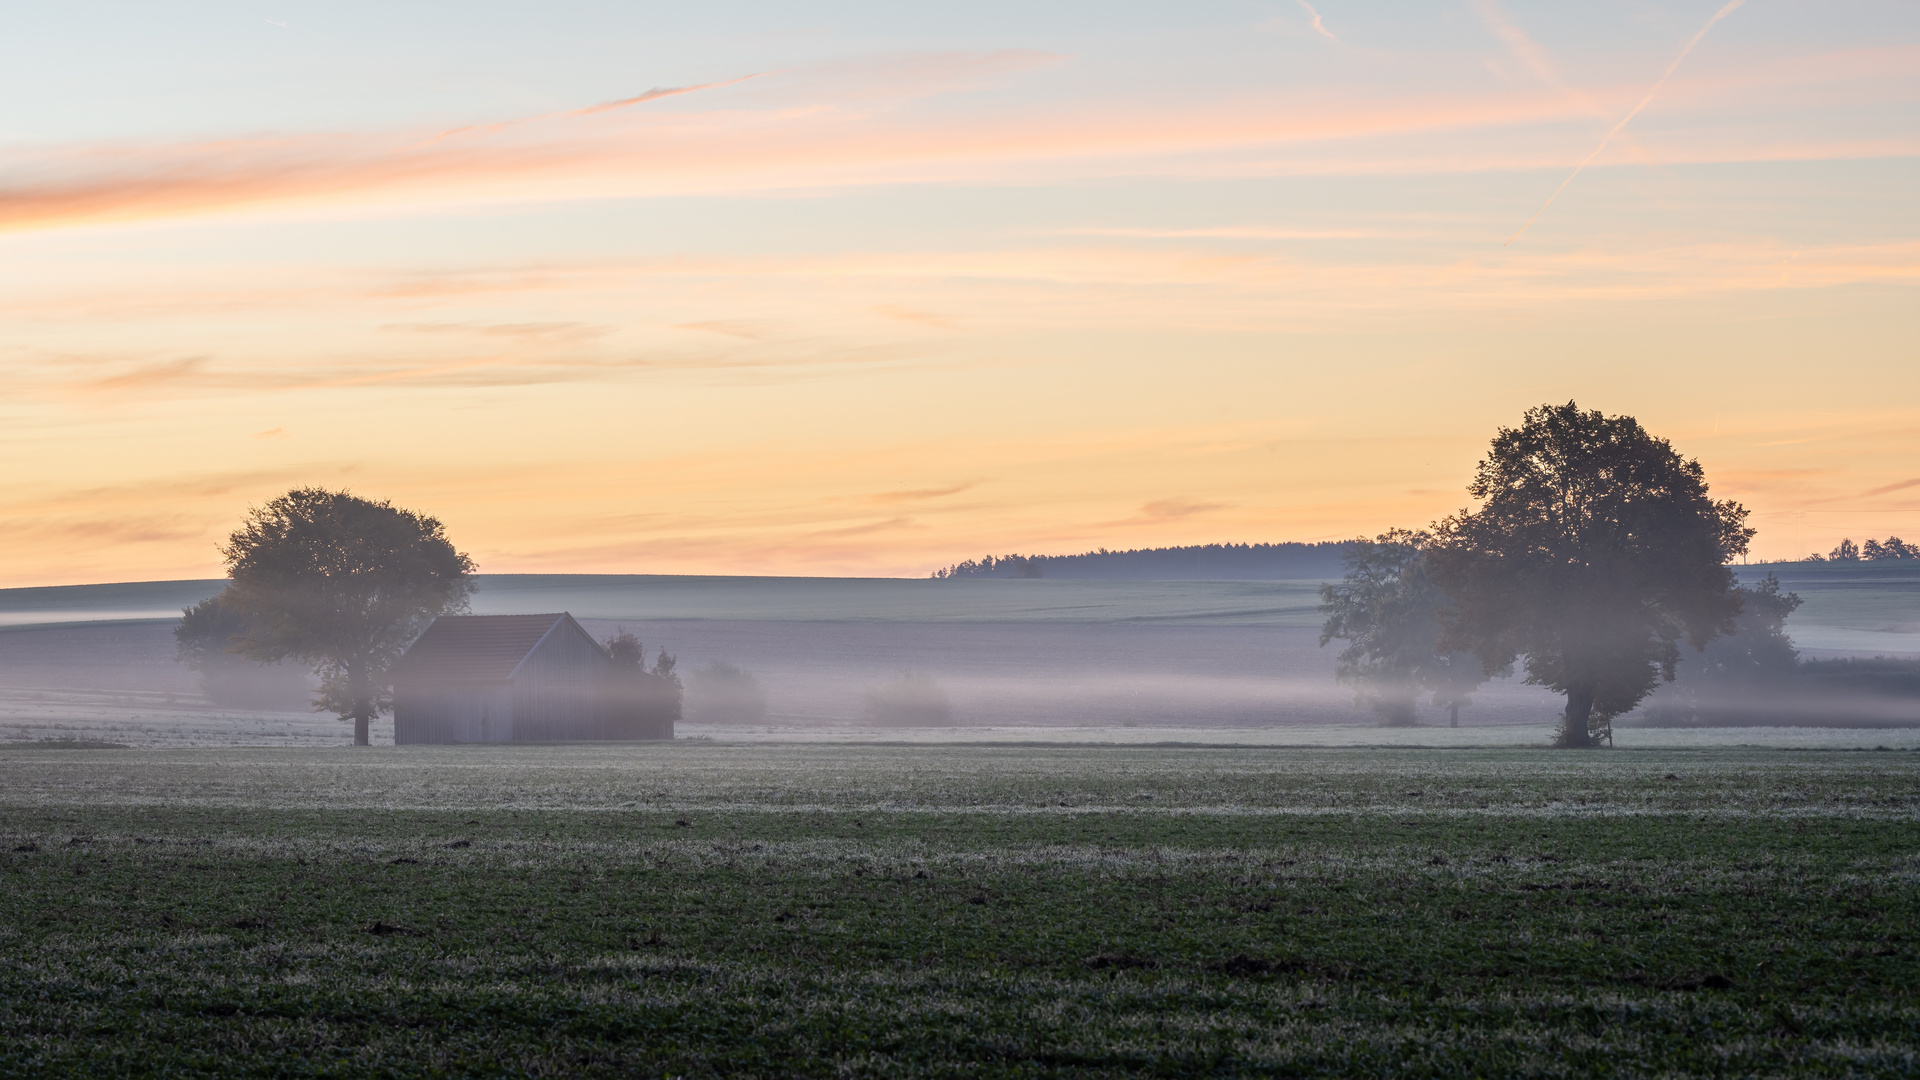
(654, 94)
(1522, 46)
(1889, 489)
(657, 93)
(808, 130)
(1319, 27)
(1532, 56)
(593, 155)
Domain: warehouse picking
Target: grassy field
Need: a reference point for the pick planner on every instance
(704, 908)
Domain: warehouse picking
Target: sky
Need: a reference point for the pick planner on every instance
(867, 289)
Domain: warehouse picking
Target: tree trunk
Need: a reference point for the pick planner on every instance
(1398, 714)
(364, 709)
(1453, 715)
(1573, 726)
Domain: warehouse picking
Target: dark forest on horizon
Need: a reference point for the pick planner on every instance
(1196, 562)
(1286, 561)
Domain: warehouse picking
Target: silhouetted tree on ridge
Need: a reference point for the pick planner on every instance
(1870, 551)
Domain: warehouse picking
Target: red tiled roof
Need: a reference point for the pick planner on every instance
(474, 647)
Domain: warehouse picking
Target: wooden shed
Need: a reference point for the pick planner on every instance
(521, 678)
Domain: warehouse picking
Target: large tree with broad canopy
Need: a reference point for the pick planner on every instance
(344, 584)
(1595, 551)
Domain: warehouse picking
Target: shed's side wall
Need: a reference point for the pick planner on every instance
(440, 712)
(556, 691)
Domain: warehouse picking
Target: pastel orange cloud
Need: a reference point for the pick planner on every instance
(572, 323)
(809, 138)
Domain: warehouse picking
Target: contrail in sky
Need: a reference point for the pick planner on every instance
(1668, 74)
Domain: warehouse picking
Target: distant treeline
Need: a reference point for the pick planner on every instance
(1200, 562)
(1871, 551)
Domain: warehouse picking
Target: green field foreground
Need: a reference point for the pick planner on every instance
(774, 910)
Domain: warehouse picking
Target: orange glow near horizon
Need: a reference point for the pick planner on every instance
(872, 304)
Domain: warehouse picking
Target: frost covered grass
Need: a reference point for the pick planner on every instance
(702, 909)
(161, 720)
(1534, 735)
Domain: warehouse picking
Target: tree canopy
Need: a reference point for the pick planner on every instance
(343, 584)
(1596, 550)
(1388, 607)
(1726, 679)
(726, 694)
(645, 701)
(202, 639)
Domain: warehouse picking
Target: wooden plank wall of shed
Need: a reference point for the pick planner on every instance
(556, 692)
(433, 712)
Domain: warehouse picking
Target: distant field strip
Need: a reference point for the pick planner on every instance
(961, 779)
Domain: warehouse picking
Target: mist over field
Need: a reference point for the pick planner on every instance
(1117, 659)
(1308, 458)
